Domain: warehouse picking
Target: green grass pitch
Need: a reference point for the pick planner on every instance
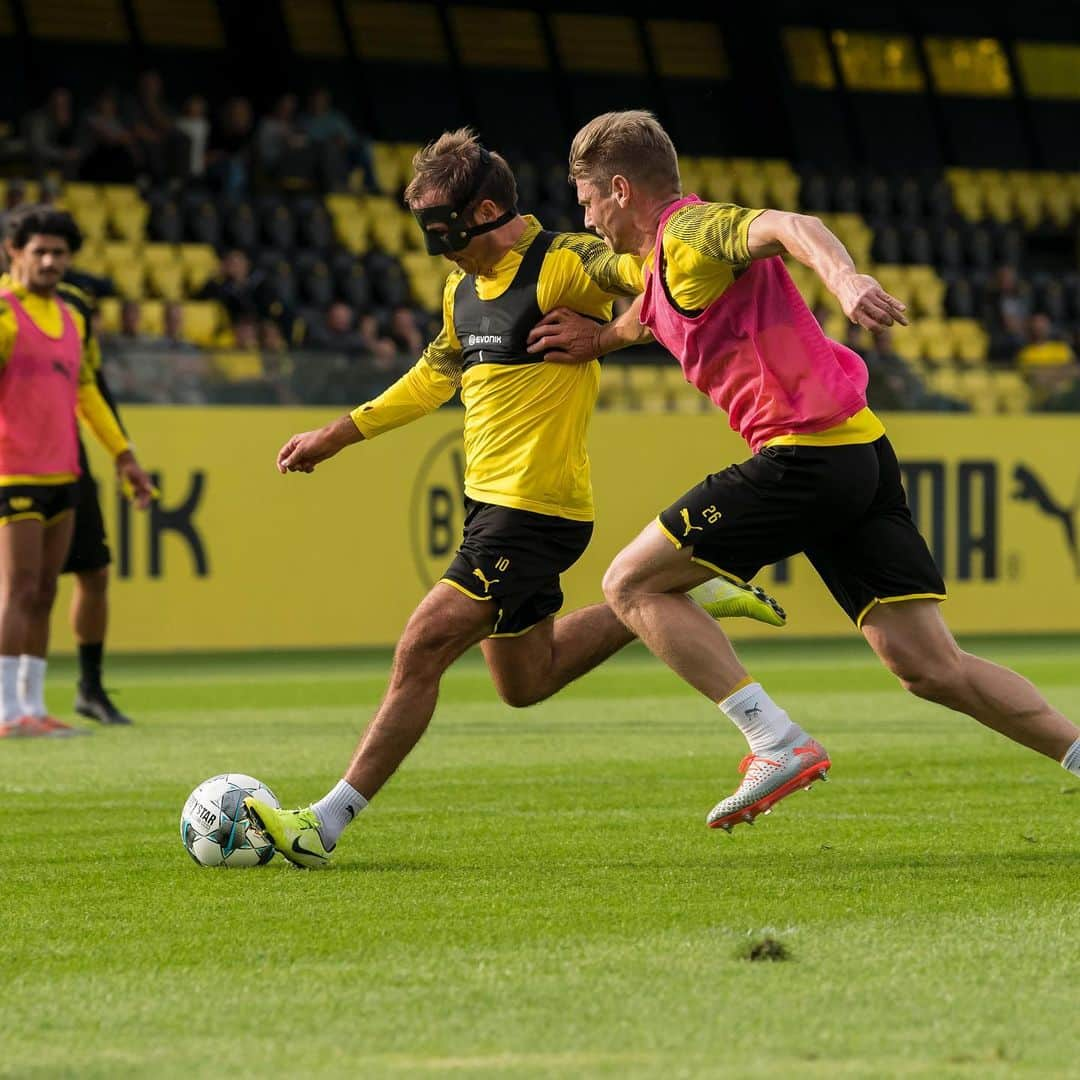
(535, 894)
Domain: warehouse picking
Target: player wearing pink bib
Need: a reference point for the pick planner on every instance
(822, 478)
(43, 381)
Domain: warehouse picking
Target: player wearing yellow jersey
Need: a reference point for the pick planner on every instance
(527, 483)
(823, 478)
(44, 377)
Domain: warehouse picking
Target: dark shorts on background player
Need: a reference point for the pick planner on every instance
(89, 548)
(514, 558)
(41, 502)
(844, 506)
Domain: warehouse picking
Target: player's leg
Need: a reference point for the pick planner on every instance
(88, 560)
(445, 624)
(531, 666)
(914, 643)
(21, 548)
(731, 524)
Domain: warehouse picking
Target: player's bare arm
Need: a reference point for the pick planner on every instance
(807, 239)
(565, 337)
(134, 480)
(310, 448)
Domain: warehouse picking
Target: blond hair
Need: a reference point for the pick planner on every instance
(449, 167)
(630, 144)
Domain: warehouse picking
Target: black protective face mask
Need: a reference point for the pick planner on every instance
(458, 234)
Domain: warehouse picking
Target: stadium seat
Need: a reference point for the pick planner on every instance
(152, 318)
(200, 263)
(646, 387)
(109, 308)
(76, 194)
(315, 285)
(92, 219)
(90, 258)
(203, 319)
(1011, 391)
(128, 220)
(613, 389)
(125, 267)
(165, 279)
(202, 223)
(927, 290)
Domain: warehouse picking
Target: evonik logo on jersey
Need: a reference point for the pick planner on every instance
(484, 339)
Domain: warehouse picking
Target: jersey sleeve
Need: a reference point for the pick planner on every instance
(8, 330)
(430, 382)
(93, 409)
(717, 232)
(582, 273)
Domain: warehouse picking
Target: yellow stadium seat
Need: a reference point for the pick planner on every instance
(92, 219)
(238, 365)
(120, 195)
(968, 200)
(717, 180)
(91, 258)
(927, 290)
(341, 205)
(354, 233)
(159, 254)
(76, 194)
(129, 279)
(907, 345)
(1011, 391)
(612, 386)
(998, 200)
(405, 153)
(970, 340)
(946, 381)
(387, 166)
(388, 231)
(646, 387)
(783, 191)
(937, 343)
(128, 220)
(202, 321)
(109, 314)
(751, 189)
(166, 280)
(199, 262)
(152, 318)
(853, 232)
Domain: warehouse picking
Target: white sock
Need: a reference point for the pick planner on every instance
(1071, 760)
(10, 705)
(336, 809)
(765, 725)
(32, 685)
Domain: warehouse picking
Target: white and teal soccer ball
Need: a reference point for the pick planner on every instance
(215, 826)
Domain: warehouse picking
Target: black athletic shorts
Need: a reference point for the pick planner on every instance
(45, 502)
(844, 506)
(514, 558)
(89, 548)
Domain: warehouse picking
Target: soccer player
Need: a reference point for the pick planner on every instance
(822, 478)
(529, 497)
(44, 377)
(89, 557)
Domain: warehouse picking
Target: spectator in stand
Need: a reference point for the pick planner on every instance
(339, 332)
(404, 332)
(284, 148)
(112, 150)
(244, 293)
(52, 136)
(1005, 313)
(1048, 362)
(330, 127)
(229, 151)
(194, 125)
(153, 123)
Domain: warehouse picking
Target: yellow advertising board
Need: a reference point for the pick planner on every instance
(236, 556)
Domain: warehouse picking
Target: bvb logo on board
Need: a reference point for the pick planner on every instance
(437, 507)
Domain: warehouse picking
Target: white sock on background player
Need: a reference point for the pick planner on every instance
(765, 725)
(336, 809)
(32, 685)
(10, 703)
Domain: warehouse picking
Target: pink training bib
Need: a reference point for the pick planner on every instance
(757, 351)
(38, 390)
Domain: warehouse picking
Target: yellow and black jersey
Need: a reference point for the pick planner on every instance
(525, 421)
(45, 312)
(706, 248)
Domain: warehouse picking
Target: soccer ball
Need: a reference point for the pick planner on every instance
(215, 826)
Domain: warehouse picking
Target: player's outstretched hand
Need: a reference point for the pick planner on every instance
(866, 303)
(135, 482)
(306, 450)
(565, 337)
